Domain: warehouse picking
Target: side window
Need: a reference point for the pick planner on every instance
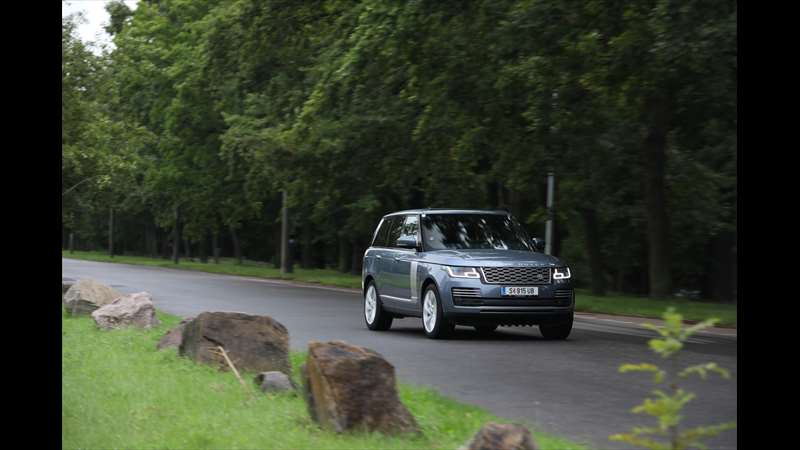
(409, 228)
(395, 229)
(380, 236)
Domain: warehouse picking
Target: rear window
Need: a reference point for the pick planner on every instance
(395, 230)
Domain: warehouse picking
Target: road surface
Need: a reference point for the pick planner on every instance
(571, 388)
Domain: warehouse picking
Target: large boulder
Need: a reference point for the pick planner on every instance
(87, 295)
(66, 283)
(253, 343)
(173, 337)
(353, 388)
(135, 310)
(496, 436)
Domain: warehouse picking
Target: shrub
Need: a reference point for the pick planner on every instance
(666, 407)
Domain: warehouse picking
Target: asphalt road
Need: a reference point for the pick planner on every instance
(571, 388)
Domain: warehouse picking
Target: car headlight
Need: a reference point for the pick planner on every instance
(561, 273)
(463, 272)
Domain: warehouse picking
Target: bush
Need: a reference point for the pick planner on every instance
(666, 407)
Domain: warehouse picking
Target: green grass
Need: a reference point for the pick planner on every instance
(610, 304)
(118, 391)
(228, 266)
(647, 307)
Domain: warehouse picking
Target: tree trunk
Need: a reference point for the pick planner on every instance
(71, 242)
(215, 244)
(285, 234)
(176, 237)
(204, 249)
(357, 259)
(307, 249)
(165, 246)
(658, 240)
(151, 239)
(593, 248)
(344, 255)
(187, 246)
(111, 232)
(237, 249)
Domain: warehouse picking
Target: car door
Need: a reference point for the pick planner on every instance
(403, 264)
(384, 256)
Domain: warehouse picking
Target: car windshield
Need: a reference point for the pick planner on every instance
(473, 231)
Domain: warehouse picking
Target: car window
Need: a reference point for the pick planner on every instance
(474, 231)
(395, 229)
(409, 228)
(380, 236)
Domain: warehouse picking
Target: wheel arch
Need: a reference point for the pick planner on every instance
(367, 280)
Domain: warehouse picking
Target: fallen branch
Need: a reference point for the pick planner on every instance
(230, 364)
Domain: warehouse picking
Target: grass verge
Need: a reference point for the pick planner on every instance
(647, 307)
(228, 266)
(609, 304)
(118, 391)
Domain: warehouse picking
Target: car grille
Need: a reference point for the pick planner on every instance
(516, 275)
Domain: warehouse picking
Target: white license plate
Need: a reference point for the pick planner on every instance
(521, 291)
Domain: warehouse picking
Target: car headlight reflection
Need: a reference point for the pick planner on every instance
(561, 273)
(463, 272)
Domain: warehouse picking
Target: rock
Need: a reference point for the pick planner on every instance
(174, 336)
(253, 343)
(87, 295)
(496, 436)
(348, 387)
(274, 382)
(66, 283)
(128, 310)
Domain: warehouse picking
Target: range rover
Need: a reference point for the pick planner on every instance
(464, 267)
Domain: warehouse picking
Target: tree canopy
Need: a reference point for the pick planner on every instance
(205, 111)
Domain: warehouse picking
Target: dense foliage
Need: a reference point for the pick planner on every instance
(206, 111)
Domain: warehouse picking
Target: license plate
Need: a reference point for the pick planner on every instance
(521, 291)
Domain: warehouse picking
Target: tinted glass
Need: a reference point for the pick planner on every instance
(473, 231)
(380, 236)
(408, 230)
(394, 230)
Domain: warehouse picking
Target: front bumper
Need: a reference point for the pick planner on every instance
(470, 301)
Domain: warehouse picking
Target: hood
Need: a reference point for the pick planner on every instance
(491, 258)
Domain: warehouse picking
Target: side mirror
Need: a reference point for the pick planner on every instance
(538, 244)
(407, 242)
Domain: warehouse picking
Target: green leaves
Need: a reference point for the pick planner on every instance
(644, 367)
(666, 407)
(426, 104)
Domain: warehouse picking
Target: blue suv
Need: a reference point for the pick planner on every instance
(466, 267)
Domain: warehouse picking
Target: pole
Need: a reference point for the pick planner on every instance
(285, 236)
(111, 232)
(548, 234)
(71, 242)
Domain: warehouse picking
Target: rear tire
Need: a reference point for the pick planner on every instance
(376, 318)
(557, 331)
(434, 323)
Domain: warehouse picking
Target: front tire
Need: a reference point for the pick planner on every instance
(376, 318)
(558, 331)
(434, 323)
